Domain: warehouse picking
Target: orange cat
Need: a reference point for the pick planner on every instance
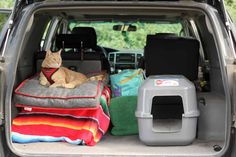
(53, 75)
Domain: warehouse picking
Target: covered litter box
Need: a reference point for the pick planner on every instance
(167, 130)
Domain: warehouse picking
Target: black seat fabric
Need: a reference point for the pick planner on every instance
(171, 55)
(166, 35)
(80, 37)
(87, 32)
(74, 41)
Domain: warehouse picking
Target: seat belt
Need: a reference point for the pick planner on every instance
(82, 51)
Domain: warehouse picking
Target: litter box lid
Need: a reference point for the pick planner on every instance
(167, 85)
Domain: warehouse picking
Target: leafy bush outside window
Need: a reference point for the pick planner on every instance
(107, 37)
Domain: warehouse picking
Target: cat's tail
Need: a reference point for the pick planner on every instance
(100, 77)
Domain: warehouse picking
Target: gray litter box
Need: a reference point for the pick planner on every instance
(168, 129)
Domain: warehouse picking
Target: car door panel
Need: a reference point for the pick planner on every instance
(4, 16)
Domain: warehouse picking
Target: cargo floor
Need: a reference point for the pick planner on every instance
(119, 146)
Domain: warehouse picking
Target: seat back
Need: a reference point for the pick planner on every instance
(90, 33)
(166, 55)
(73, 61)
(90, 62)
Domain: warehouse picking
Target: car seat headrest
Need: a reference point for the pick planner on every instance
(161, 35)
(89, 32)
(74, 41)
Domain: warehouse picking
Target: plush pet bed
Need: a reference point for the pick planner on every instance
(30, 92)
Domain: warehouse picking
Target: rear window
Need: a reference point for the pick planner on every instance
(135, 40)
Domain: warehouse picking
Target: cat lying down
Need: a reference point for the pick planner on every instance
(54, 75)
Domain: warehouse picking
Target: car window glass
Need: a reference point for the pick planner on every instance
(4, 13)
(107, 37)
(44, 36)
(231, 8)
(3, 19)
(58, 30)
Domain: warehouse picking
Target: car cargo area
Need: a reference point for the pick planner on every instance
(121, 146)
(198, 103)
(205, 144)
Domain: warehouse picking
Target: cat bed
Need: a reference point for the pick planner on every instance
(122, 110)
(30, 92)
(84, 126)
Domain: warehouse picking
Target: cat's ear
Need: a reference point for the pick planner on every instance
(60, 51)
(48, 53)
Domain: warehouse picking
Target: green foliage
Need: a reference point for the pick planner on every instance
(3, 18)
(231, 8)
(6, 3)
(229, 2)
(232, 12)
(107, 37)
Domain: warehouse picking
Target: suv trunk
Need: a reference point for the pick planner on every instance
(212, 129)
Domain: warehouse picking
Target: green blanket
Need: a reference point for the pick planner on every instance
(122, 112)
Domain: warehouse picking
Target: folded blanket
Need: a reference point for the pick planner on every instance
(122, 110)
(84, 126)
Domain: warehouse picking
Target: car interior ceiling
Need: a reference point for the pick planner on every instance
(209, 127)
